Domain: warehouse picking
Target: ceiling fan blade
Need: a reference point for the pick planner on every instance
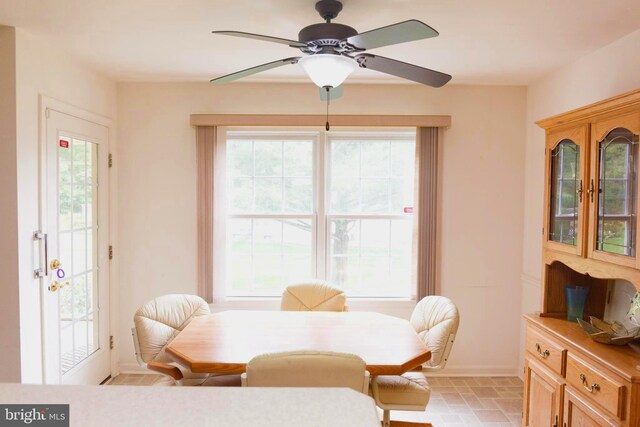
(254, 70)
(392, 34)
(334, 93)
(292, 43)
(402, 69)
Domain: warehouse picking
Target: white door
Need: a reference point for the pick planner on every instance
(75, 218)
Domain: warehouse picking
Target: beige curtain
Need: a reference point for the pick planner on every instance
(206, 155)
(425, 213)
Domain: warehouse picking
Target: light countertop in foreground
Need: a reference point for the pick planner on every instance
(200, 406)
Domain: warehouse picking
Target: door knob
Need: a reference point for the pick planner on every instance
(55, 264)
(55, 285)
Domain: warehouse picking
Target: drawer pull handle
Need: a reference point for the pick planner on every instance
(542, 354)
(585, 384)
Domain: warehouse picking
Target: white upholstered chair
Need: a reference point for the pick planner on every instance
(156, 323)
(436, 320)
(314, 295)
(307, 369)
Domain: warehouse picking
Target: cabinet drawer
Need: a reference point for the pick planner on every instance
(595, 385)
(546, 350)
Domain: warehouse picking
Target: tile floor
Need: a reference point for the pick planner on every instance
(455, 401)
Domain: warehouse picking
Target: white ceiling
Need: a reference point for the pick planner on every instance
(481, 41)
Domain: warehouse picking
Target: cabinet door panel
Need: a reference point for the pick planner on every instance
(565, 194)
(542, 396)
(614, 225)
(578, 413)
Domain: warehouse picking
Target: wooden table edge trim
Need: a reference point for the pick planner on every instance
(239, 368)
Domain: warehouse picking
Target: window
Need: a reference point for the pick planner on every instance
(335, 206)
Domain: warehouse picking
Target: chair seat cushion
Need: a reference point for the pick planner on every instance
(410, 388)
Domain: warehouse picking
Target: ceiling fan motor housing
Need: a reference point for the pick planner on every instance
(325, 36)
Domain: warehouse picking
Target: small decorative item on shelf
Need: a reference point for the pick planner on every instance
(634, 310)
(576, 297)
(609, 333)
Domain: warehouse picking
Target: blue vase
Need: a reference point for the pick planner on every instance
(576, 297)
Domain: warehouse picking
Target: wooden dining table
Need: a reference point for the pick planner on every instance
(225, 342)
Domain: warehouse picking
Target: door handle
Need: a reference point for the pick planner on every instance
(38, 273)
(590, 388)
(542, 354)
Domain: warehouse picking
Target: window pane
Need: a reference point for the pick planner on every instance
(242, 195)
(617, 193)
(367, 256)
(375, 238)
(375, 195)
(375, 159)
(345, 195)
(614, 236)
(297, 253)
(268, 195)
(401, 194)
(298, 158)
(402, 159)
(371, 176)
(268, 158)
(240, 261)
(345, 272)
(240, 157)
(298, 194)
(266, 254)
(345, 159)
(564, 206)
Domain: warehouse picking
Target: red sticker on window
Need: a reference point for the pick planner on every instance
(408, 210)
(64, 144)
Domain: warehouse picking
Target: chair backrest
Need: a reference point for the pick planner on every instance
(436, 320)
(313, 296)
(159, 321)
(307, 369)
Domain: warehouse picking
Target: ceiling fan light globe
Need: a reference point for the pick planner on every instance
(328, 69)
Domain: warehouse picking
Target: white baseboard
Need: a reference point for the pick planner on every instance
(134, 368)
(476, 371)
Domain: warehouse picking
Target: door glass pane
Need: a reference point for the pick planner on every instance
(617, 192)
(77, 249)
(564, 198)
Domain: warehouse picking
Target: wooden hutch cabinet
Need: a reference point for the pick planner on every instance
(590, 239)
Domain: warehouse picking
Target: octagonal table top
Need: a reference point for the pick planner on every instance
(225, 342)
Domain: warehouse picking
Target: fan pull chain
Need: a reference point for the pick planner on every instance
(328, 89)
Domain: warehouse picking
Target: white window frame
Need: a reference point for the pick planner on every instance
(320, 216)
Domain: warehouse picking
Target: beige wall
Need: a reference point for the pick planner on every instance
(43, 70)
(609, 71)
(9, 303)
(482, 200)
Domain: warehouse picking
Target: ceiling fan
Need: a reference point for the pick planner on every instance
(332, 51)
